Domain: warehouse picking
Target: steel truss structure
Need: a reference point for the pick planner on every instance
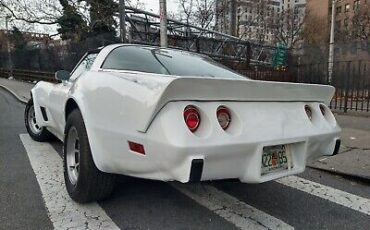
(144, 28)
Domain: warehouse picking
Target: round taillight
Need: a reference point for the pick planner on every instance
(322, 109)
(308, 111)
(192, 117)
(223, 117)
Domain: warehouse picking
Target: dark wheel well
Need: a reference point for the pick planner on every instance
(43, 134)
(70, 106)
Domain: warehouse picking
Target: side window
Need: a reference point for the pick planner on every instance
(85, 65)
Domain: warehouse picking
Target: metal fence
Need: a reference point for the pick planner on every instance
(269, 75)
(51, 55)
(28, 75)
(350, 78)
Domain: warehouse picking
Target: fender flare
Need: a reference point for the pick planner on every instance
(74, 103)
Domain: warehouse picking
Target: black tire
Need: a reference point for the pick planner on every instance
(91, 184)
(41, 136)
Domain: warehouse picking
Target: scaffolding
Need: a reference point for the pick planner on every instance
(144, 28)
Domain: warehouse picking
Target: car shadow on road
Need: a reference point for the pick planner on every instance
(159, 205)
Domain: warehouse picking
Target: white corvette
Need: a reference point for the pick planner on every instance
(166, 114)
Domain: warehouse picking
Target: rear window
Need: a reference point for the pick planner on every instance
(166, 61)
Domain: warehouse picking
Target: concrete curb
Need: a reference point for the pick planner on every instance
(361, 178)
(353, 113)
(22, 100)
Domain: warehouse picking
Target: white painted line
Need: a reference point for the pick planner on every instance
(231, 209)
(63, 212)
(346, 199)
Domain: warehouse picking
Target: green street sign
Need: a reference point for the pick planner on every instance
(280, 57)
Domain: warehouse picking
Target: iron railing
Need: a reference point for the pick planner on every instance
(351, 80)
(28, 75)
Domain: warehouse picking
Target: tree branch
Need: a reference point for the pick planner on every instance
(32, 21)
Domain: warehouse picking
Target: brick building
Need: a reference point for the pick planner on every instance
(352, 27)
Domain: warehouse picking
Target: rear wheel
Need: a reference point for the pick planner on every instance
(84, 181)
(36, 132)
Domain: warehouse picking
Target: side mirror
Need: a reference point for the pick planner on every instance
(62, 75)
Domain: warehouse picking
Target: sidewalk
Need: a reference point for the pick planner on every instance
(21, 90)
(353, 158)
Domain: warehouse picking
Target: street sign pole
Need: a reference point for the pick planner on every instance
(163, 23)
(331, 45)
(232, 17)
(8, 46)
(122, 20)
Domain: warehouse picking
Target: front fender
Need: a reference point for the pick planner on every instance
(40, 96)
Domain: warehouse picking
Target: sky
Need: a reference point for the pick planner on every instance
(153, 5)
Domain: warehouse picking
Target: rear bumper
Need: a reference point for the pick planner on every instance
(196, 170)
(167, 162)
(172, 152)
(242, 161)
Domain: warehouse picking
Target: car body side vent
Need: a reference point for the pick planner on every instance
(43, 112)
(196, 170)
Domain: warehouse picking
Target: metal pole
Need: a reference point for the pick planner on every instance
(8, 46)
(122, 20)
(163, 23)
(232, 17)
(331, 45)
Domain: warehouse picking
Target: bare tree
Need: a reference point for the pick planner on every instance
(41, 12)
(197, 12)
(186, 8)
(288, 28)
(315, 30)
(359, 27)
(47, 12)
(351, 25)
(138, 4)
(205, 11)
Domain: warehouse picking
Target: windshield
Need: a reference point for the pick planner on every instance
(166, 61)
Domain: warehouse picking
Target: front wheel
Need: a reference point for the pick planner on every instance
(35, 131)
(84, 181)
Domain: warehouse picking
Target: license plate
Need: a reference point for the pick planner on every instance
(275, 158)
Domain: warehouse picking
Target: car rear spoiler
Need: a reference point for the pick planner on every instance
(204, 89)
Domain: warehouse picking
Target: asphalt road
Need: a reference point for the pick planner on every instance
(144, 204)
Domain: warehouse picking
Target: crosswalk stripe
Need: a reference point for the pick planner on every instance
(230, 208)
(346, 199)
(63, 212)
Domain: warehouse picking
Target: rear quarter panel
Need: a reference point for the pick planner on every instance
(111, 107)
